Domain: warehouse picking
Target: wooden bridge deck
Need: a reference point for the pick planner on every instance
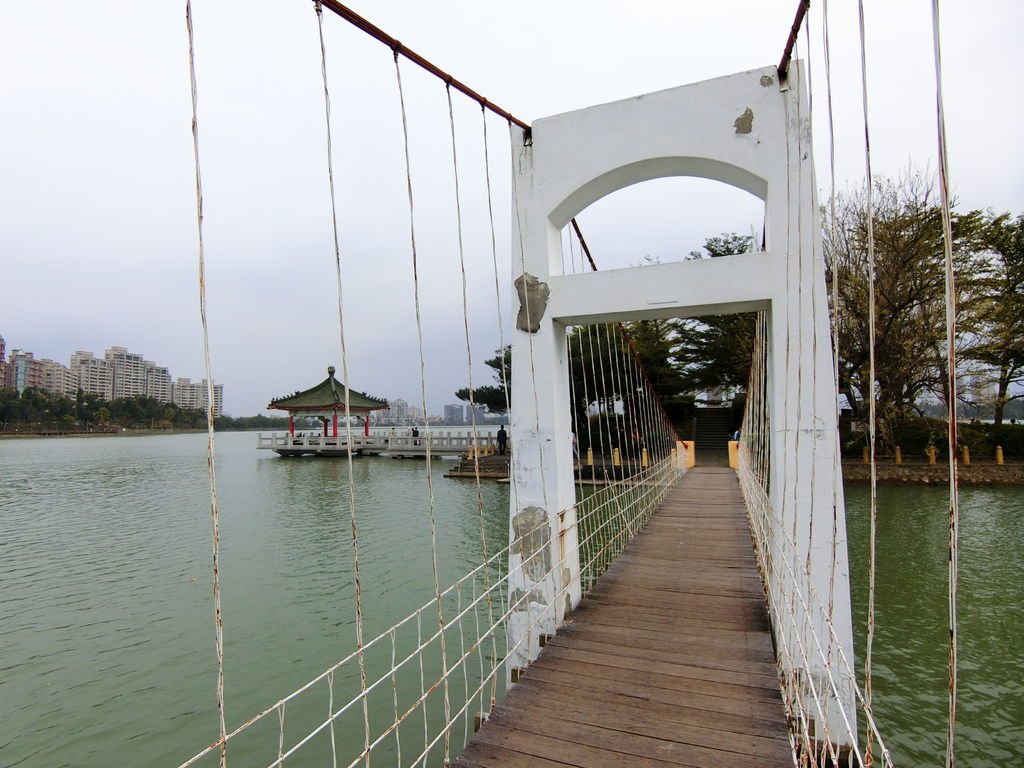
(667, 662)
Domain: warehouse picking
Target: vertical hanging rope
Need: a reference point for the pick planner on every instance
(872, 415)
(954, 503)
(583, 373)
(357, 589)
(616, 385)
(597, 361)
(218, 620)
(426, 425)
(330, 716)
(837, 472)
(472, 398)
(504, 386)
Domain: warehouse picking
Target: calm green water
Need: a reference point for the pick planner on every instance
(106, 639)
(106, 628)
(911, 608)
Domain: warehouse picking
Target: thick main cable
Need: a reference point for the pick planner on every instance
(403, 50)
(794, 32)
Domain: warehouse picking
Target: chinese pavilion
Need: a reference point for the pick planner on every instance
(324, 402)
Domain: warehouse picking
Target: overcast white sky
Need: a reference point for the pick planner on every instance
(97, 210)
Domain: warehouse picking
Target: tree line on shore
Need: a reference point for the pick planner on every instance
(36, 410)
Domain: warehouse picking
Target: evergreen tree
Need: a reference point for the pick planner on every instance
(493, 396)
(715, 351)
(1000, 323)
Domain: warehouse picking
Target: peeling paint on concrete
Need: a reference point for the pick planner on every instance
(766, 80)
(532, 541)
(522, 600)
(745, 122)
(533, 301)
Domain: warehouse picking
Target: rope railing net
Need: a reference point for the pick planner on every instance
(815, 674)
(417, 691)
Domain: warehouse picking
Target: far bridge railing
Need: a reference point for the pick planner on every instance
(440, 443)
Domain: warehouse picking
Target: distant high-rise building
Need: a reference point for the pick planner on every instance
(93, 375)
(23, 371)
(158, 383)
(119, 373)
(133, 376)
(57, 378)
(128, 372)
(455, 414)
(188, 394)
(398, 410)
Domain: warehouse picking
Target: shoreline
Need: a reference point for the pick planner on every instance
(986, 473)
(124, 433)
(981, 473)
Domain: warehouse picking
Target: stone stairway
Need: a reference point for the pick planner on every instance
(491, 467)
(714, 428)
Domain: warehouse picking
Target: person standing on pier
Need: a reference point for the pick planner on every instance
(502, 440)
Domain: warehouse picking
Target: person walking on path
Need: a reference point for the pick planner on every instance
(502, 440)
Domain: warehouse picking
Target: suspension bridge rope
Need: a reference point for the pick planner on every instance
(403, 50)
(872, 414)
(353, 522)
(617, 511)
(777, 553)
(951, 425)
(837, 467)
(423, 397)
(794, 32)
(472, 397)
(218, 619)
(504, 375)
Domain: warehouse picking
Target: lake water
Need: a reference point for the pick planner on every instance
(106, 637)
(911, 608)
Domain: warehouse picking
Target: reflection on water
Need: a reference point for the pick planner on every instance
(911, 639)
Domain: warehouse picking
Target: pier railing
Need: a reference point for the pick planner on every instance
(414, 694)
(440, 443)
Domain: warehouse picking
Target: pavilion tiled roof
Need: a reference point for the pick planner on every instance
(328, 395)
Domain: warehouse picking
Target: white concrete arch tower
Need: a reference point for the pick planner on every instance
(747, 130)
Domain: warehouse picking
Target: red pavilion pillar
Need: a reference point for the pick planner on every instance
(335, 423)
(291, 424)
(366, 425)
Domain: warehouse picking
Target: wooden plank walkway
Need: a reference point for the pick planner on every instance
(667, 662)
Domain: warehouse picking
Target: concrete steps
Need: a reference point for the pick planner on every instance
(714, 428)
